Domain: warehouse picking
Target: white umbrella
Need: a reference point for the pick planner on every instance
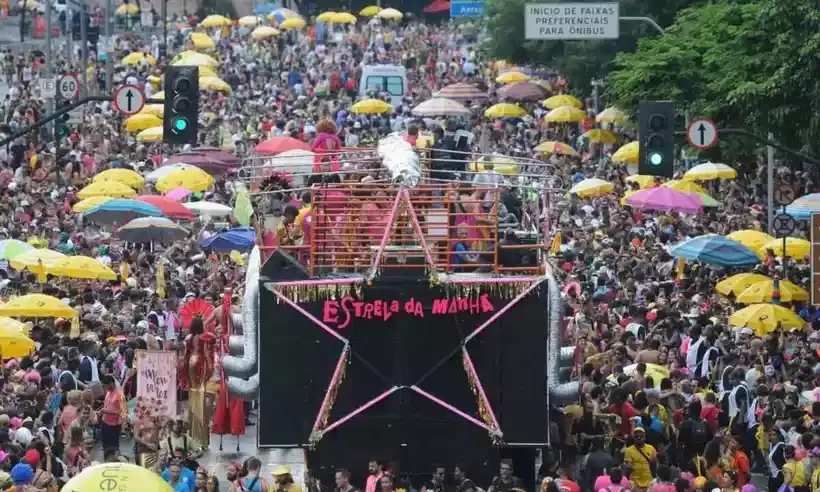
(211, 209)
(163, 171)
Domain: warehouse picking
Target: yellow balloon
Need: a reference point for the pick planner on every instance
(122, 477)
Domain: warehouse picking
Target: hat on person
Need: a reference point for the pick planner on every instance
(280, 470)
(639, 430)
(32, 457)
(699, 482)
(21, 473)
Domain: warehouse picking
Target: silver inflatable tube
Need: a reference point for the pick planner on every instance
(244, 389)
(242, 371)
(400, 159)
(559, 394)
(236, 345)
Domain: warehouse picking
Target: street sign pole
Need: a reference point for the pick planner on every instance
(770, 183)
(84, 41)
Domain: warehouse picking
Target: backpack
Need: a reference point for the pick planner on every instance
(350, 85)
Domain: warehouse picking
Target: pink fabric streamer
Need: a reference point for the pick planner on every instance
(311, 317)
(360, 409)
(501, 311)
(336, 375)
(451, 408)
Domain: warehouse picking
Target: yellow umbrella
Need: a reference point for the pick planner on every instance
(390, 14)
(598, 135)
(627, 153)
(202, 41)
(294, 23)
(89, 203)
(13, 341)
(657, 372)
(505, 110)
(370, 11)
(36, 261)
(150, 135)
(325, 16)
(249, 21)
(29, 4)
(215, 21)
(140, 122)
(710, 170)
(190, 178)
(611, 116)
(512, 77)
(157, 110)
(565, 114)
(643, 180)
(214, 84)
(82, 267)
(343, 18)
(562, 100)
(765, 318)
(160, 96)
(124, 176)
(138, 57)
(551, 147)
(763, 291)
(752, 239)
(124, 476)
(371, 106)
(263, 32)
(154, 79)
(12, 324)
(740, 282)
(196, 58)
(592, 187)
(686, 186)
(109, 188)
(795, 248)
(501, 164)
(128, 9)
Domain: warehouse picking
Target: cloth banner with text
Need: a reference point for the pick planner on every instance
(156, 385)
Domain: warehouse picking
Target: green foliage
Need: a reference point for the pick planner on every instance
(578, 61)
(742, 64)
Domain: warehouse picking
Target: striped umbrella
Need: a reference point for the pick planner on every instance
(523, 91)
(151, 229)
(803, 207)
(462, 92)
(441, 106)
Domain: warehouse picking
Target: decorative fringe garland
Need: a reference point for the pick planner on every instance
(333, 392)
(318, 291)
(501, 290)
(483, 406)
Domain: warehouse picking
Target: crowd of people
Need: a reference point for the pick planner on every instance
(673, 396)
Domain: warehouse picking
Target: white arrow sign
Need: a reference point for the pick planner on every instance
(129, 99)
(702, 134)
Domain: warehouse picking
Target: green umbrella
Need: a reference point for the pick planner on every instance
(12, 248)
(707, 200)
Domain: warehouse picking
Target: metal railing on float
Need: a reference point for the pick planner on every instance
(455, 220)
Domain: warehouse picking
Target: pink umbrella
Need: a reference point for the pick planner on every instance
(523, 91)
(665, 199)
(178, 194)
(462, 92)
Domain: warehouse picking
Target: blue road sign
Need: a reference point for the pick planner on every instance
(466, 9)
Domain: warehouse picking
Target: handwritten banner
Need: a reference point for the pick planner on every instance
(157, 382)
(341, 313)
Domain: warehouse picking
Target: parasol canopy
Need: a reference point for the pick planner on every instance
(441, 106)
(151, 229)
(37, 306)
(664, 199)
(716, 250)
(766, 318)
(120, 211)
(82, 267)
(239, 238)
(462, 92)
(523, 91)
(167, 206)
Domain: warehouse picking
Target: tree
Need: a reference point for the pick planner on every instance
(749, 64)
(578, 61)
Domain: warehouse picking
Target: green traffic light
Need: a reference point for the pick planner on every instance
(655, 158)
(180, 124)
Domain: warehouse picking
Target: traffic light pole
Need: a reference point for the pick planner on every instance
(60, 112)
(768, 141)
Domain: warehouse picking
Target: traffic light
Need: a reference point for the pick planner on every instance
(180, 123)
(656, 134)
(61, 123)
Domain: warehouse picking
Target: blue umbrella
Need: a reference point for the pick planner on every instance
(121, 210)
(239, 238)
(264, 9)
(803, 207)
(715, 249)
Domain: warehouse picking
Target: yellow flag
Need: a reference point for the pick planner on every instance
(680, 267)
(75, 326)
(555, 246)
(161, 281)
(124, 273)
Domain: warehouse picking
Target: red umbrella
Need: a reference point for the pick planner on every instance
(171, 208)
(437, 6)
(277, 145)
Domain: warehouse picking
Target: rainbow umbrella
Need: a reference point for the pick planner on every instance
(803, 207)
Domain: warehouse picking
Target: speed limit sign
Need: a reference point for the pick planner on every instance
(68, 87)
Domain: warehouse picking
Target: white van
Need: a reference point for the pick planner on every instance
(391, 79)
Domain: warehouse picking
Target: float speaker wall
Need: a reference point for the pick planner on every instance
(396, 339)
